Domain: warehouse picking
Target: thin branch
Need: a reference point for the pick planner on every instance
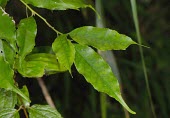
(41, 17)
(45, 92)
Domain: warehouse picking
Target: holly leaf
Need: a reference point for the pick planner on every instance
(26, 32)
(43, 111)
(101, 38)
(3, 3)
(97, 72)
(64, 50)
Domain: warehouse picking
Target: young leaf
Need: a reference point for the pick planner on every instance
(58, 4)
(101, 38)
(26, 33)
(64, 50)
(7, 28)
(7, 52)
(6, 78)
(43, 111)
(8, 99)
(97, 72)
(9, 113)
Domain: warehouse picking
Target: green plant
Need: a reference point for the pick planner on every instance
(17, 54)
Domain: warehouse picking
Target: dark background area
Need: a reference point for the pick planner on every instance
(74, 97)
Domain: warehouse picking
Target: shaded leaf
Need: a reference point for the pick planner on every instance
(8, 99)
(6, 78)
(26, 33)
(43, 111)
(97, 72)
(64, 50)
(7, 28)
(7, 52)
(9, 113)
(58, 4)
(101, 38)
(3, 3)
(36, 65)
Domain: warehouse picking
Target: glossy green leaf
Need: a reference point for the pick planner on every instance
(58, 4)
(97, 72)
(7, 28)
(8, 113)
(3, 3)
(7, 52)
(26, 33)
(8, 99)
(64, 50)
(43, 111)
(6, 78)
(101, 38)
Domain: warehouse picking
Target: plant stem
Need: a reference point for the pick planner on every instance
(135, 18)
(45, 92)
(41, 17)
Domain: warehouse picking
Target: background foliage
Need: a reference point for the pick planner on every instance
(75, 97)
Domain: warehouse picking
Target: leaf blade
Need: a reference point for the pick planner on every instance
(64, 51)
(9, 113)
(26, 32)
(101, 38)
(7, 28)
(97, 72)
(58, 4)
(45, 111)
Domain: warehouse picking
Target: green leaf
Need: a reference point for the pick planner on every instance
(26, 92)
(26, 33)
(8, 99)
(36, 65)
(97, 72)
(6, 78)
(64, 50)
(101, 38)
(7, 52)
(9, 113)
(3, 3)
(43, 111)
(58, 4)
(7, 28)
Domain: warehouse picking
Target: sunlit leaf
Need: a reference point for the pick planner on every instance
(58, 4)
(26, 33)
(43, 111)
(8, 113)
(8, 99)
(7, 28)
(64, 50)
(101, 38)
(97, 72)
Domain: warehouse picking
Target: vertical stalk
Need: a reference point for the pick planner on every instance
(135, 18)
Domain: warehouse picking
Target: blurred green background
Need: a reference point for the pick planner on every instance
(74, 97)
